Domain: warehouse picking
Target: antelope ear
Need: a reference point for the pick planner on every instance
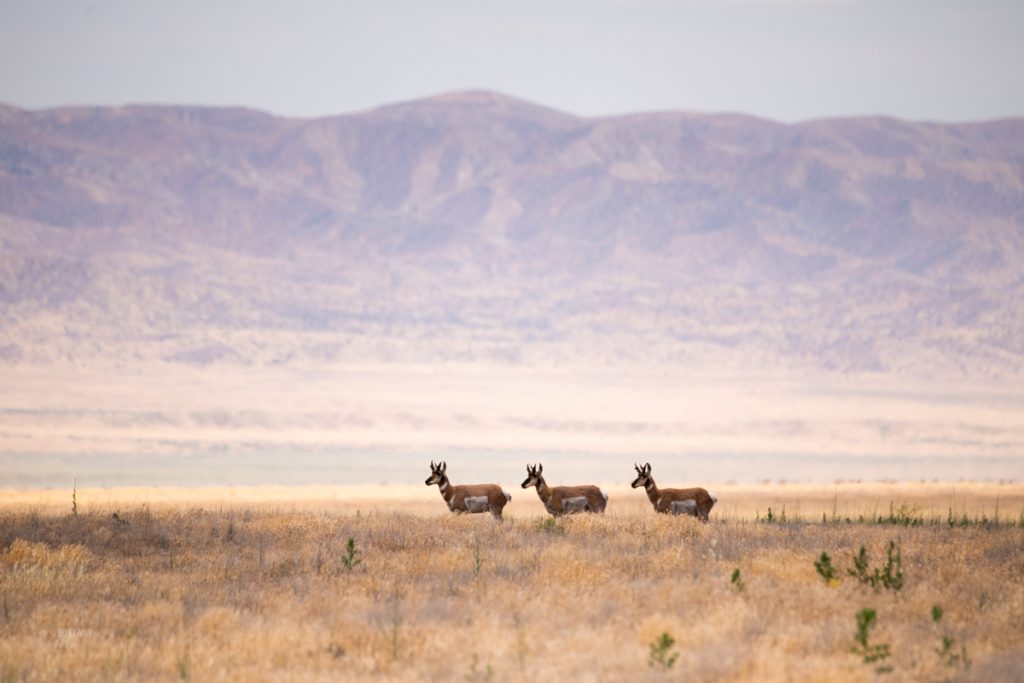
(647, 468)
(540, 468)
(444, 467)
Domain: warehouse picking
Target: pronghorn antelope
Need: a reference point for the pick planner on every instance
(696, 501)
(469, 497)
(565, 500)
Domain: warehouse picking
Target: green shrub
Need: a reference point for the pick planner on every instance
(890, 576)
(870, 652)
(892, 572)
(660, 655)
(826, 570)
(947, 651)
(349, 560)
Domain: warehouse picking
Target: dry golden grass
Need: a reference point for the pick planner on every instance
(253, 586)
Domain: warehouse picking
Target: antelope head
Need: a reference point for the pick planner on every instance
(436, 473)
(532, 476)
(643, 475)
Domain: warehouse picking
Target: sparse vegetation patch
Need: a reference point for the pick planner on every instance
(871, 652)
(661, 655)
(350, 559)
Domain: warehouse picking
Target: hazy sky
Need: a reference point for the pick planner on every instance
(786, 59)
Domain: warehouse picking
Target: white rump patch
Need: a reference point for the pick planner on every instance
(603, 495)
(684, 507)
(476, 503)
(508, 496)
(714, 498)
(577, 504)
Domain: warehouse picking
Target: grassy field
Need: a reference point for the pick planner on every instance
(263, 584)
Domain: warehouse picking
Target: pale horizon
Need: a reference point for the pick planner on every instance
(785, 61)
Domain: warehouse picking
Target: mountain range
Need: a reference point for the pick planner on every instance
(475, 227)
